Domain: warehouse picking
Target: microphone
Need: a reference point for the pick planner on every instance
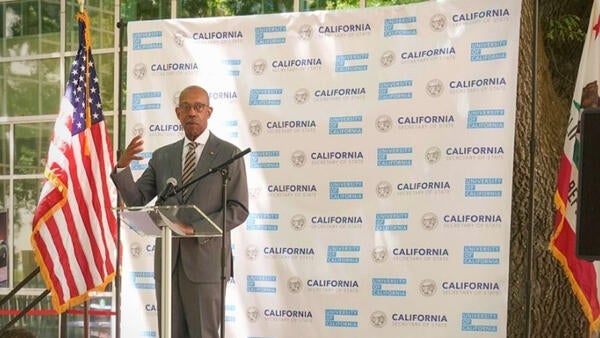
(168, 191)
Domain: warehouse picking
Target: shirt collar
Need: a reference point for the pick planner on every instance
(201, 140)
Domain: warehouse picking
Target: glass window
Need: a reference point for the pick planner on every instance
(102, 24)
(197, 9)
(26, 195)
(106, 71)
(30, 27)
(50, 91)
(3, 94)
(145, 10)
(4, 248)
(123, 84)
(40, 325)
(32, 87)
(382, 3)
(21, 87)
(101, 324)
(50, 37)
(4, 194)
(194, 9)
(314, 5)
(4, 151)
(4, 230)
(109, 120)
(31, 147)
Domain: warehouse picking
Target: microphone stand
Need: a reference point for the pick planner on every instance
(225, 178)
(224, 170)
(210, 171)
(122, 25)
(166, 287)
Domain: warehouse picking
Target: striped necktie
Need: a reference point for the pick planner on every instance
(188, 167)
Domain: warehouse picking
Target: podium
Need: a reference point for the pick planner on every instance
(164, 221)
(152, 220)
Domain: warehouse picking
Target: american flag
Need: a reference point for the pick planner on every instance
(74, 229)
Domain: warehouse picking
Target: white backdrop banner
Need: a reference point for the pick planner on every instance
(381, 166)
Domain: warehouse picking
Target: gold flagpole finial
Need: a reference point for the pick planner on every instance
(81, 5)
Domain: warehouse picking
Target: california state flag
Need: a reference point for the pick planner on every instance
(583, 275)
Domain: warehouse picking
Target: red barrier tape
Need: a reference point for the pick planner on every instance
(54, 313)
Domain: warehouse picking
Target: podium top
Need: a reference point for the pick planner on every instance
(150, 220)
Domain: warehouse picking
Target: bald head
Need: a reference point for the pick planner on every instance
(193, 111)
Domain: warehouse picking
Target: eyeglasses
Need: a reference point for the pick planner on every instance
(198, 107)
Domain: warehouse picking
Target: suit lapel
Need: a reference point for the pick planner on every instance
(176, 158)
(207, 158)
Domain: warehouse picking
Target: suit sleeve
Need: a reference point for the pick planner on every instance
(237, 196)
(136, 193)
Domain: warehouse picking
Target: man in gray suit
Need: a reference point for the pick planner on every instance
(196, 275)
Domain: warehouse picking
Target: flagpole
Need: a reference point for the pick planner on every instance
(86, 315)
(121, 25)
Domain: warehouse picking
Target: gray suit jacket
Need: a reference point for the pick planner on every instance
(200, 258)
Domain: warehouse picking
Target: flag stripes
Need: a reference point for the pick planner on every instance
(74, 228)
